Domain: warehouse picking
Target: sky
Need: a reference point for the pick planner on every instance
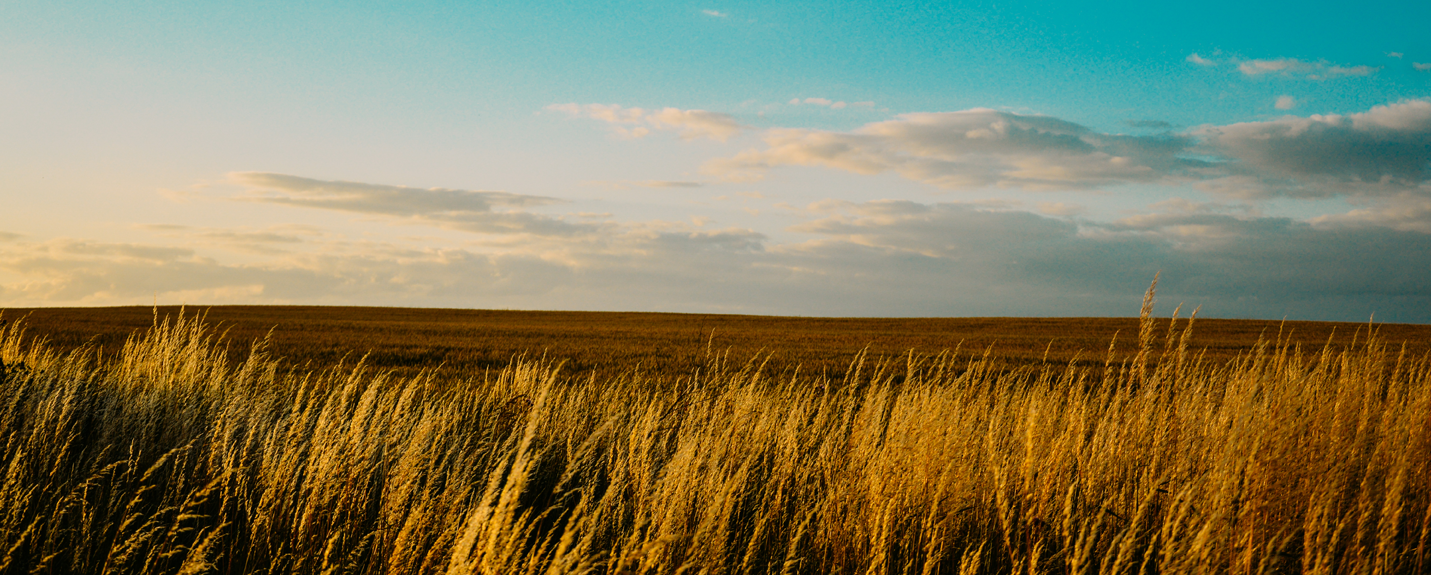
(1264, 160)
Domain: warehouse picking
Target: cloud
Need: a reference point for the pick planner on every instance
(1292, 67)
(831, 104)
(624, 184)
(967, 149)
(96, 273)
(715, 14)
(1286, 103)
(465, 210)
(1150, 124)
(1394, 54)
(269, 240)
(379, 198)
(889, 257)
(667, 184)
(9, 236)
(1422, 67)
(1406, 212)
(639, 122)
(1060, 209)
(1231, 264)
(1383, 150)
(1333, 71)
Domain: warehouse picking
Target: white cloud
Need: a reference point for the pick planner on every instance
(1395, 54)
(1421, 66)
(1286, 103)
(1292, 67)
(1199, 60)
(1384, 150)
(639, 122)
(833, 105)
(967, 149)
(715, 14)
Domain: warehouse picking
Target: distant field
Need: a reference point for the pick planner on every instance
(169, 456)
(408, 340)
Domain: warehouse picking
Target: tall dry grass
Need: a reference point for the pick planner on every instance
(166, 459)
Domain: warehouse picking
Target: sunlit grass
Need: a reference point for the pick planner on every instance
(170, 458)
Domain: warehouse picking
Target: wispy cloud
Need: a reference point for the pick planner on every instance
(1292, 67)
(377, 198)
(464, 210)
(1149, 124)
(1285, 103)
(828, 103)
(715, 14)
(624, 184)
(819, 102)
(1199, 60)
(268, 240)
(1424, 67)
(639, 122)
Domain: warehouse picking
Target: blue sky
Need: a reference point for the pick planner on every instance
(855, 158)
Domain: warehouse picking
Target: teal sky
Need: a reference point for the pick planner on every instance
(855, 158)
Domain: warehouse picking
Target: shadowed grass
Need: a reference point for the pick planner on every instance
(170, 458)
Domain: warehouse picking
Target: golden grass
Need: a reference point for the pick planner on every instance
(168, 457)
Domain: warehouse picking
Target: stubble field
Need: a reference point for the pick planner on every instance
(407, 341)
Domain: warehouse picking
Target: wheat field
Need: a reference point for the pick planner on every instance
(168, 457)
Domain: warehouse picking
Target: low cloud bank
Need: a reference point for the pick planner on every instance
(882, 258)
